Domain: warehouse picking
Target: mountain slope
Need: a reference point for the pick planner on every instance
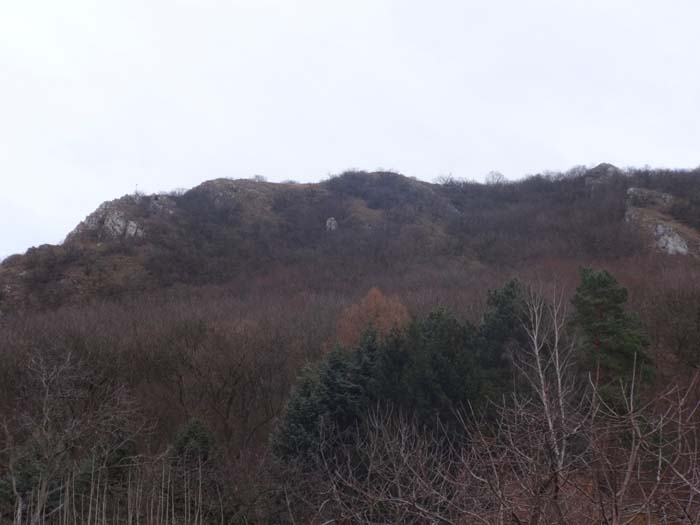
(335, 232)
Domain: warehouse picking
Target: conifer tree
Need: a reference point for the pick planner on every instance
(297, 435)
(440, 374)
(501, 331)
(430, 369)
(612, 340)
(329, 399)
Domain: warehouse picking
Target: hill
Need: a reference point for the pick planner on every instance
(161, 342)
(352, 227)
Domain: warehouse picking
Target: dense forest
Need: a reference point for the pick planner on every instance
(369, 349)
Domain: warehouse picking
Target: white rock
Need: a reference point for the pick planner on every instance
(115, 223)
(668, 240)
(110, 222)
(645, 197)
(133, 230)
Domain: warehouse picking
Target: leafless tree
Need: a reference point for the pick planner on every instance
(395, 472)
(530, 456)
(557, 453)
(65, 417)
(560, 454)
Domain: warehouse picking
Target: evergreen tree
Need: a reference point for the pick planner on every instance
(344, 389)
(430, 369)
(328, 400)
(500, 332)
(194, 441)
(612, 339)
(440, 373)
(297, 435)
(502, 321)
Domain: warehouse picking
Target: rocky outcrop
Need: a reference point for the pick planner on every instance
(648, 198)
(603, 170)
(110, 221)
(123, 218)
(649, 209)
(331, 224)
(596, 178)
(669, 241)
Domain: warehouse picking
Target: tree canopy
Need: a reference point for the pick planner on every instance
(431, 369)
(613, 344)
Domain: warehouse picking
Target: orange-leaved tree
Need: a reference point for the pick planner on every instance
(381, 312)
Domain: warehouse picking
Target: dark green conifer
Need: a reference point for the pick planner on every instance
(612, 340)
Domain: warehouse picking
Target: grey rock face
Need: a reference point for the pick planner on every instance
(668, 240)
(645, 207)
(110, 222)
(607, 169)
(162, 204)
(600, 175)
(114, 223)
(644, 197)
(132, 230)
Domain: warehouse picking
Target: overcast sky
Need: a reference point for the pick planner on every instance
(97, 97)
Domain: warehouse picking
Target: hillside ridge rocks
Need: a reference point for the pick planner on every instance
(242, 231)
(118, 219)
(649, 209)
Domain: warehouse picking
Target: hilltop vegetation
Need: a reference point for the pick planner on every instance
(253, 231)
(256, 232)
(228, 354)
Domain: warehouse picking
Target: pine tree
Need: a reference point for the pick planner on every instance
(297, 436)
(501, 331)
(440, 374)
(430, 369)
(194, 441)
(613, 342)
(328, 400)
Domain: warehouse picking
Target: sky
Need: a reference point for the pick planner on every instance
(99, 98)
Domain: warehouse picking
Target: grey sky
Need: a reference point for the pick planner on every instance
(97, 97)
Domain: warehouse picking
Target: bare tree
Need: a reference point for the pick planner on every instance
(65, 417)
(530, 456)
(560, 454)
(395, 472)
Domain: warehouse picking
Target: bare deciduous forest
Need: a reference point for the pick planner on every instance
(502, 353)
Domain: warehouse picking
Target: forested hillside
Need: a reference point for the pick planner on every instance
(327, 236)
(368, 349)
